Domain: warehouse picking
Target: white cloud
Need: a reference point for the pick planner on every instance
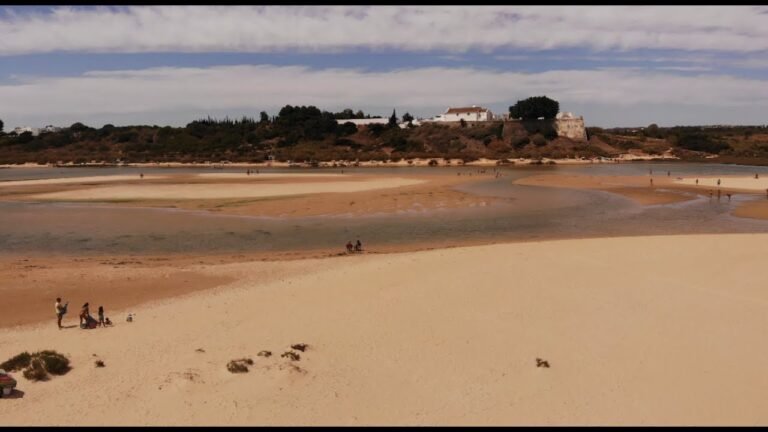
(161, 95)
(333, 28)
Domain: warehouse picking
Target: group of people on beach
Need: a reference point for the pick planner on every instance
(250, 171)
(357, 247)
(86, 320)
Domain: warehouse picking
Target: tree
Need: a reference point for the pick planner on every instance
(392, 119)
(1, 127)
(77, 127)
(652, 131)
(535, 107)
(407, 118)
(263, 117)
(463, 123)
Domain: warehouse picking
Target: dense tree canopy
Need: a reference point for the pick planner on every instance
(535, 107)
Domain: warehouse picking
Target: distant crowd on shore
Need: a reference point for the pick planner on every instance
(357, 247)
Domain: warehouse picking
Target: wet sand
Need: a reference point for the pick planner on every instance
(663, 330)
(637, 188)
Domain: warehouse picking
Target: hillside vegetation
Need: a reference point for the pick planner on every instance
(307, 134)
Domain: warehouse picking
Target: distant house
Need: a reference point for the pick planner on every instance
(473, 113)
(21, 129)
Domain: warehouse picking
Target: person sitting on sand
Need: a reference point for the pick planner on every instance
(101, 316)
(84, 314)
(107, 322)
(358, 246)
(350, 248)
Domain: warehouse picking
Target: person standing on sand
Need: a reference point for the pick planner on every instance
(61, 309)
(101, 316)
(697, 182)
(358, 246)
(141, 175)
(651, 182)
(718, 182)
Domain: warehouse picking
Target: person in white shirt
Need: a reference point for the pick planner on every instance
(61, 309)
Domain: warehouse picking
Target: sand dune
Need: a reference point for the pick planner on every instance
(68, 180)
(644, 330)
(219, 191)
(744, 183)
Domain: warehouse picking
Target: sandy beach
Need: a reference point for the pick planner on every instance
(264, 194)
(731, 183)
(637, 331)
(637, 188)
(233, 190)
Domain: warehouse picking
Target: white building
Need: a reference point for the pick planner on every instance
(473, 113)
(21, 129)
(364, 122)
(52, 128)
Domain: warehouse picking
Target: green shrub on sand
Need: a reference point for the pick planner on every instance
(38, 366)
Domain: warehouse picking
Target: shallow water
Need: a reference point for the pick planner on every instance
(529, 213)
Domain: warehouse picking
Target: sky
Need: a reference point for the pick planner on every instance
(617, 66)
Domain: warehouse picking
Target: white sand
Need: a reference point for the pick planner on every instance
(746, 183)
(638, 331)
(90, 179)
(219, 191)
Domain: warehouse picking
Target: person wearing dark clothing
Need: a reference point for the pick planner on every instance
(358, 246)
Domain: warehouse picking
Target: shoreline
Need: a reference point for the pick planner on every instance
(407, 162)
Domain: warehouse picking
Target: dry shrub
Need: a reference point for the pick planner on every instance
(291, 355)
(17, 362)
(36, 371)
(37, 366)
(55, 363)
(239, 365)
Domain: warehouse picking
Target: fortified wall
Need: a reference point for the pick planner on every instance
(572, 128)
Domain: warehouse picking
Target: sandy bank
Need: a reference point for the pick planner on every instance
(638, 331)
(735, 183)
(638, 188)
(75, 180)
(231, 190)
(267, 175)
